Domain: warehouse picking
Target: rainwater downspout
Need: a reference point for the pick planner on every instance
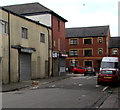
(9, 45)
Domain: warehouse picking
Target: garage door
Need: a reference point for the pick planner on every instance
(25, 66)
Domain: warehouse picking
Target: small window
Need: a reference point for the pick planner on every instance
(42, 37)
(88, 63)
(100, 40)
(24, 33)
(87, 52)
(100, 51)
(114, 51)
(87, 41)
(73, 41)
(73, 53)
(3, 27)
(74, 63)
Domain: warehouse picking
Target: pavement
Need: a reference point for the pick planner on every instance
(110, 102)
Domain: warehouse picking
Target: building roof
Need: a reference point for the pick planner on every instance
(24, 17)
(95, 31)
(30, 9)
(114, 42)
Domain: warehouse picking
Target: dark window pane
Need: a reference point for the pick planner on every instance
(88, 52)
(87, 41)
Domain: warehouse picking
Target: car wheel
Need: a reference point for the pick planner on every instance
(98, 83)
(85, 74)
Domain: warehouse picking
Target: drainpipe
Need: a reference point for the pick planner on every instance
(48, 53)
(9, 45)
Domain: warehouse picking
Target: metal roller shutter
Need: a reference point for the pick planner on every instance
(25, 66)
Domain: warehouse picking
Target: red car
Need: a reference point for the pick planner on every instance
(78, 70)
(109, 75)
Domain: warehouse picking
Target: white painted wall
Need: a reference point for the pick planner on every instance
(43, 19)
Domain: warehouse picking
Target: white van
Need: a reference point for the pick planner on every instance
(110, 63)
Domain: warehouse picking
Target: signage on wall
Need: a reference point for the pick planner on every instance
(26, 50)
(55, 54)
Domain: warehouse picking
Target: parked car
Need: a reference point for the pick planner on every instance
(90, 70)
(108, 76)
(80, 70)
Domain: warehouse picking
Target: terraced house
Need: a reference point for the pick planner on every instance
(86, 46)
(42, 14)
(114, 47)
(24, 48)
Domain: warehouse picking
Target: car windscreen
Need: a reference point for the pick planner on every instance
(89, 68)
(108, 72)
(80, 68)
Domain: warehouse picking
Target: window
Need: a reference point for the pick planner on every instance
(73, 53)
(88, 63)
(74, 63)
(88, 41)
(100, 40)
(24, 33)
(3, 27)
(42, 37)
(114, 51)
(100, 51)
(73, 42)
(58, 25)
(87, 52)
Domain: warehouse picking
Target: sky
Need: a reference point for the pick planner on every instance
(81, 13)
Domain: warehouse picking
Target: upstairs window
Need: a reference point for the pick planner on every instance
(114, 51)
(24, 33)
(73, 41)
(100, 40)
(73, 53)
(3, 27)
(88, 41)
(42, 37)
(88, 52)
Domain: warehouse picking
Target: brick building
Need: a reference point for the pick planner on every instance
(114, 47)
(86, 46)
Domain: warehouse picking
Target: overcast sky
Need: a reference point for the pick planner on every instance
(81, 13)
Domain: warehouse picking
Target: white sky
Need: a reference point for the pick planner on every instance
(81, 13)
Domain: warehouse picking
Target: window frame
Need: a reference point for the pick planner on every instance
(74, 52)
(88, 61)
(24, 32)
(4, 27)
(100, 41)
(76, 63)
(99, 51)
(88, 55)
(114, 50)
(72, 41)
(87, 39)
(42, 37)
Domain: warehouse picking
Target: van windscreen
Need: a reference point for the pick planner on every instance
(109, 64)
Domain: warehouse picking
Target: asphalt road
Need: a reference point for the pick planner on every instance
(74, 92)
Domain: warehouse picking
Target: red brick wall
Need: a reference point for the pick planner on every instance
(58, 34)
(81, 58)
